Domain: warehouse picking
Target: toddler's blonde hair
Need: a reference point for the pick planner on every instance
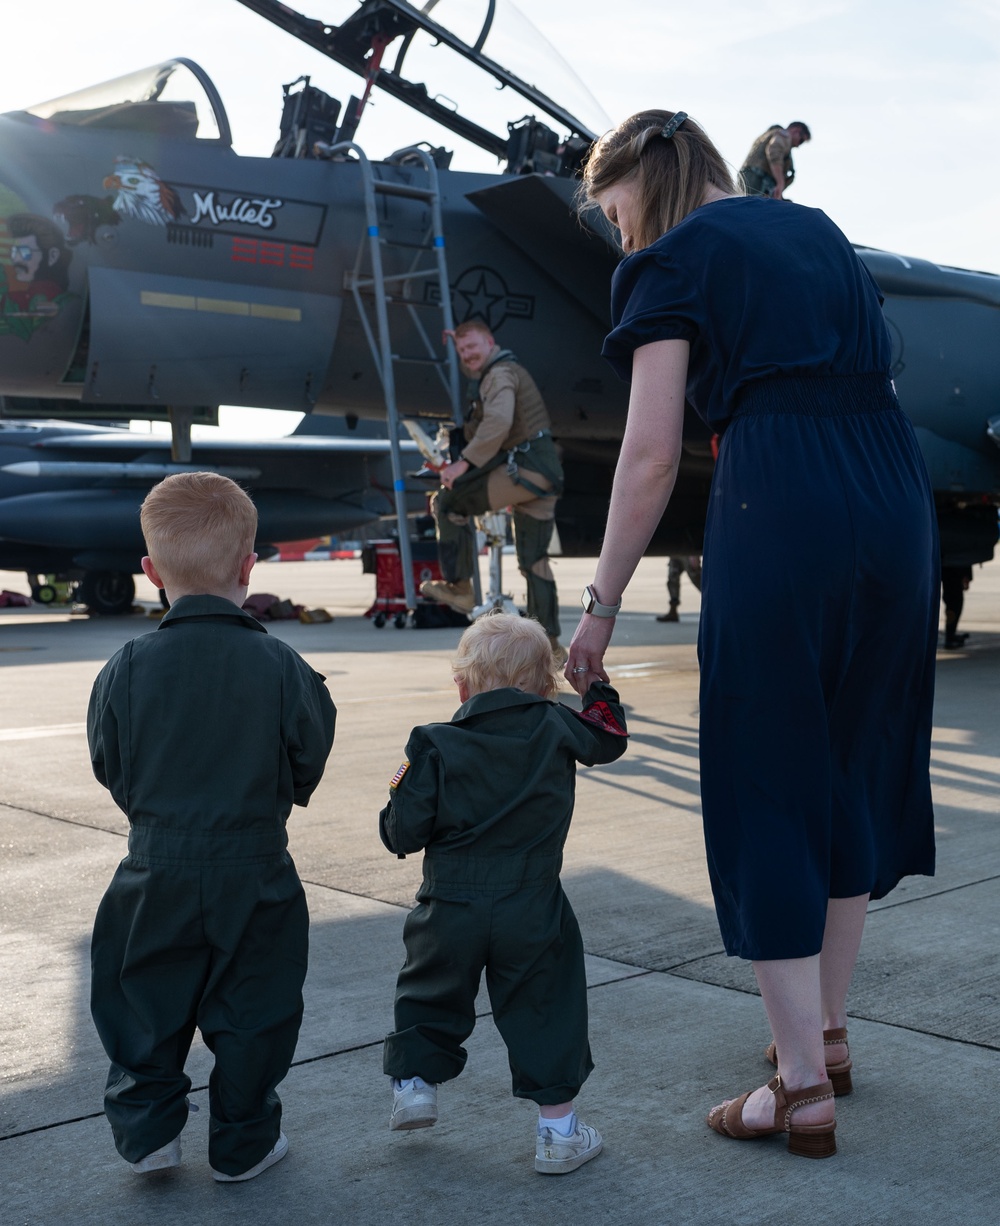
(501, 649)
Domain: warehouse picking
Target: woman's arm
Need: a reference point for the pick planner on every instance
(644, 480)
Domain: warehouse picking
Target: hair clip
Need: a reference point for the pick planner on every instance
(671, 126)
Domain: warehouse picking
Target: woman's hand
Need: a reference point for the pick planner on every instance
(647, 468)
(586, 652)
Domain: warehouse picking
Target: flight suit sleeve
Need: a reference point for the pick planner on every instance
(498, 391)
(406, 824)
(600, 729)
(107, 739)
(96, 717)
(309, 728)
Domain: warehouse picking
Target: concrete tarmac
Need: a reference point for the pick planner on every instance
(675, 1025)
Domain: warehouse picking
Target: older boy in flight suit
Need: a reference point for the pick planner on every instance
(206, 732)
(489, 797)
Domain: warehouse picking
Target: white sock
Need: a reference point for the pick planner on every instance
(565, 1125)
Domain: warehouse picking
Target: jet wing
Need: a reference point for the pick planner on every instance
(537, 214)
(120, 442)
(912, 278)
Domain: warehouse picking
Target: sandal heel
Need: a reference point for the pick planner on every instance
(818, 1141)
(839, 1074)
(842, 1083)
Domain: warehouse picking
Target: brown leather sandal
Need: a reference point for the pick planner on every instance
(806, 1140)
(839, 1073)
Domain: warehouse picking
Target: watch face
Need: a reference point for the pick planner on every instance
(587, 599)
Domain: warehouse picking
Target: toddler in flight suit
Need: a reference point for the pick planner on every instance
(489, 797)
(206, 732)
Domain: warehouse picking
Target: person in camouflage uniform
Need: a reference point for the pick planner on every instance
(508, 459)
(768, 168)
(677, 566)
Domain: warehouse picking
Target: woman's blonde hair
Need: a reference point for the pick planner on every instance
(672, 173)
(502, 649)
(198, 528)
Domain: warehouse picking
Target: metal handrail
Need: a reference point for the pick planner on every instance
(381, 346)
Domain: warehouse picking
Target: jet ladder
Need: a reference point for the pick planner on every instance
(393, 289)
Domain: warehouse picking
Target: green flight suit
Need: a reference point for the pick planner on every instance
(489, 797)
(206, 732)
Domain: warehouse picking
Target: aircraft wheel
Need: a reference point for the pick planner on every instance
(399, 621)
(107, 591)
(44, 594)
(378, 621)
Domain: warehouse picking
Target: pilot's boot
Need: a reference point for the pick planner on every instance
(671, 614)
(458, 596)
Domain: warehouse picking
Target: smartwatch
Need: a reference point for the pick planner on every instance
(594, 607)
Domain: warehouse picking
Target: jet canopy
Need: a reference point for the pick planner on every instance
(473, 66)
(175, 98)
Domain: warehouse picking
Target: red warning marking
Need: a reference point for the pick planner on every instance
(301, 257)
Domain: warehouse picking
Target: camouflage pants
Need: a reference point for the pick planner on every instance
(756, 182)
(482, 490)
(676, 568)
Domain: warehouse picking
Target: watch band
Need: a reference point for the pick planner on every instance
(594, 607)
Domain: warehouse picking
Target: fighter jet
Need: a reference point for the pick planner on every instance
(148, 265)
(70, 494)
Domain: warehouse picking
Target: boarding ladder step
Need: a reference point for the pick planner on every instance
(374, 290)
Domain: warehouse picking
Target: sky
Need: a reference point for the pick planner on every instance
(902, 96)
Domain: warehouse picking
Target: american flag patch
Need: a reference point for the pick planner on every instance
(395, 780)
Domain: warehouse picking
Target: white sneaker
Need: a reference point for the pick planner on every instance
(558, 1155)
(269, 1159)
(413, 1107)
(160, 1159)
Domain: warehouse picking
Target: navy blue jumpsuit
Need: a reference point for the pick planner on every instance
(819, 606)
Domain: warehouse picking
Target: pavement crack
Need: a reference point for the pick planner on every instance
(67, 821)
(27, 1132)
(339, 889)
(307, 1060)
(950, 889)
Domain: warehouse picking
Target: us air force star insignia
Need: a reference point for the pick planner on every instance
(395, 780)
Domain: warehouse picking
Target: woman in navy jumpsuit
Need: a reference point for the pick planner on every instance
(819, 605)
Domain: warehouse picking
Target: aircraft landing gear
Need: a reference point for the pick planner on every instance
(50, 589)
(45, 593)
(107, 591)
